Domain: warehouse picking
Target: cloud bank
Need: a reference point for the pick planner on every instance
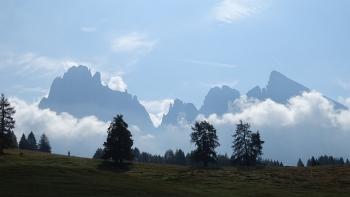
(307, 125)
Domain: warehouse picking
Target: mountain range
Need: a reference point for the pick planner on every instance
(80, 94)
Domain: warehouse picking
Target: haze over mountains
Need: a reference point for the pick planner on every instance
(81, 94)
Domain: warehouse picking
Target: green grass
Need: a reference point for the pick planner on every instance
(39, 174)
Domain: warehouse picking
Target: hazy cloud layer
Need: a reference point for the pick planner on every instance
(308, 125)
(156, 109)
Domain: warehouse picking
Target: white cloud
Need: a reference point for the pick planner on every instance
(133, 42)
(88, 29)
(80, 136)
(308, 125)
(117, 83)
(156, 109)
(228, 11)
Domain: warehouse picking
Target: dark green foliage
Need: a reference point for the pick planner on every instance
(180, 158)
(32, 145)
(300, 163)
(7, 123)
(326, 161)
(169, 156)
(44, 144)
(205, 138)
(23, 143)
(224, 160)
(247, 146)
(270, 163)
(12, 140)
(98, 154)
(119, 142)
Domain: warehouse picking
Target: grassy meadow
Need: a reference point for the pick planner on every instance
(40, 174)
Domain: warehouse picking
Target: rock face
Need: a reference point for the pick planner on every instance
(180, 112)
(218, 100)
(280, 89)
(81, 94)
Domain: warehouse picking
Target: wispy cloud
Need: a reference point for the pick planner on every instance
(229, 11)
(133, 42)
(88, 29)
(210, 63)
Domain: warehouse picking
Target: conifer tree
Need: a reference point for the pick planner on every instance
(23, 143)
(98, 154)
(32, 145)
(7, 123)
(44, 144)
(119, 142)
(205, 138)
(300, 163)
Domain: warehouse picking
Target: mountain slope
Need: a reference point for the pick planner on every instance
(280, 89)
(81, 94)
(180, 112)
(218, 100)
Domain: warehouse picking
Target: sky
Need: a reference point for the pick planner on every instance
(175, 49)
(161, 50)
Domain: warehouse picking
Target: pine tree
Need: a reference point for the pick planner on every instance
(300, 163)
(169, 156)
(255, 147)
(44, 144)
(98, 154)
(32, 145)
(12, 140)
(180, 158)
(23, 143)
(119, 142)
(205, 138)
(247, 146)
(7, 123)
(242, 140)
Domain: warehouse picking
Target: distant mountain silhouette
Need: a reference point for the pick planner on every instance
(81, 94)
(218, 99)
(280, 89)
(180, 112)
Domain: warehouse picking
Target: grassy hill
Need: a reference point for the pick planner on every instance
(39, 174)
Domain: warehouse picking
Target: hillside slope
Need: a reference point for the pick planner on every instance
(38, 174)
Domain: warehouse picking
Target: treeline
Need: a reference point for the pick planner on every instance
(30, 143)
(324, 160)
(8, 138)
(247, 146)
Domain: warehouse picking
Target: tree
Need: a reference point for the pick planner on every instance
(169, 156)
(12, 140)
(300, 163)
(205, 138)
(247, 146)
(180, 157)
(255, 147)
(23, 143)
(32, 145)
(7, 123)
(44, 144)
(119, 142)
(98, 154)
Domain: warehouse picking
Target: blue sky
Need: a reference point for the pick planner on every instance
(166, 49)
